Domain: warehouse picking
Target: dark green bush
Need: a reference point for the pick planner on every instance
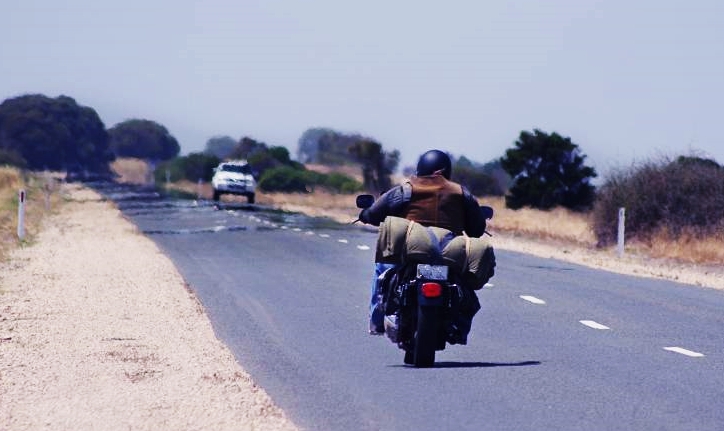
(294, 180)
(340, 183)
(12, 158)
(194, 167)
(686, 194)
(284, 179)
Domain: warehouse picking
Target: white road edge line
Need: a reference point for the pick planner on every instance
(594, 325)
(343, 241)
(532, 299)
(363, 247)
(683, 351)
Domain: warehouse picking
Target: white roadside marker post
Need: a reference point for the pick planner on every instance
(621, 230)
(21, 214)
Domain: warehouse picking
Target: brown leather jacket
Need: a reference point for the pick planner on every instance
(435, 201)
(431, 201)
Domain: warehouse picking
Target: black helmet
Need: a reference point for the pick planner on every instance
(434, 161)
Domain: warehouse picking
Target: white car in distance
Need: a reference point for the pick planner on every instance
(234, 178)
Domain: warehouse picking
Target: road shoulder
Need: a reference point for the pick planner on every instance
(98, 331)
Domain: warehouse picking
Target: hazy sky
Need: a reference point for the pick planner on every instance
(626, 80)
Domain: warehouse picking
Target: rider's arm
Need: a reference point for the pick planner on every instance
(474, 220)
(390, 203)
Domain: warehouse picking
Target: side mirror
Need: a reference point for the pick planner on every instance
(487, 212)
(365, 201)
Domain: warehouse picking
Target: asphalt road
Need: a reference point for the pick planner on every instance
(556, 345)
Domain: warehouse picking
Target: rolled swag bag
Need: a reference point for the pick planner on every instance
(402, 241)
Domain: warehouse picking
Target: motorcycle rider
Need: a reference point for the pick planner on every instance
(431, 199)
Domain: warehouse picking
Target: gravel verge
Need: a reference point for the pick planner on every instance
(99, 332)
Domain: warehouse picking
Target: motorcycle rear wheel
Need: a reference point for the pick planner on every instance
(428, 329)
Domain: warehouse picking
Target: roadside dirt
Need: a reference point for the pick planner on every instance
(99, 332)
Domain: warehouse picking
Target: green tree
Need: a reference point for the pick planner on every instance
(193, 167)
(45, 133)
(377, 165)
(308, 144)
(220, 146)
(548, 171)
(143, 139)
(479, 179)
(247, 147)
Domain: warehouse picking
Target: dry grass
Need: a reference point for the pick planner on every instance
(38, 187)
(687, 248)
(353, 171)
(575, 228)
(558, 224)
(131, 170)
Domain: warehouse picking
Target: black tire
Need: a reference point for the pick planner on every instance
(409, 357)
(250, 198)
(428, 330)
(216, 195)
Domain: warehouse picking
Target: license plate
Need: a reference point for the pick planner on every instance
(432, 272)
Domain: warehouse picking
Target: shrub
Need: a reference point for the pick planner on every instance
(291, 179)
(341, 183)
(686, 194)
(283, 179)
(193, 167)
(12, 158)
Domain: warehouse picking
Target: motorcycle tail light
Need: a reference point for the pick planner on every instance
(431, 290)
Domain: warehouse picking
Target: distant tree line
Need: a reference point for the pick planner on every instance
(38, 132)
(330, 147)
(272, 166)
(541, 170)
(488, 179)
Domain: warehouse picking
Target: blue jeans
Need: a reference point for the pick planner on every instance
(377, 315)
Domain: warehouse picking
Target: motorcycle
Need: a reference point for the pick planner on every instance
(423, 301)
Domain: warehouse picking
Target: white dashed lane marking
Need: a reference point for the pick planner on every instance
(683, 351)
(532, 299)
(594, 325)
